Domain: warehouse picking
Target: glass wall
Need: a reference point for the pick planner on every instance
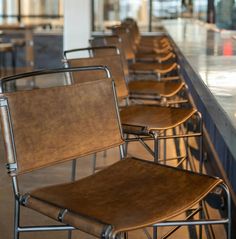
(8, 8)
(167, 9)
(200, 9)
(146, 12)
(111, 12)
(31, 11)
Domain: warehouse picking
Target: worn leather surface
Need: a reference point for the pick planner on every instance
(127, 195)
(153, 117)
(151, 41)
(117, 42)
(152, 67)
(157, 49)
(86, 76)
(83, 223)
(132, 46)
(159, 88)
(140, 86)
(127, 46)
(62, 123)
(113, 63)
(154, 56)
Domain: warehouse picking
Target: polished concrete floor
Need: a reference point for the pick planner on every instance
(61, 173)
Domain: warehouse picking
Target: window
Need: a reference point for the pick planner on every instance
(38, 11)
(111, 12)
(146, 12)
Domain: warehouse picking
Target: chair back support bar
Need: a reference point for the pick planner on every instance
(114, 64)
(52, 125)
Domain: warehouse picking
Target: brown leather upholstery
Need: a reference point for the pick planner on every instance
(156, 49)
(154, 41)
(86, 76)
(112, 40)
(132, 46)
(148, 117)
(152, 117)
(156, 88)
(127, 46)
(146, 42)
(145, 67)
(164, 89)
(113, 62)
(61, 123)
(128, 195)
(104, 51)
(154, 56)
(117, 42)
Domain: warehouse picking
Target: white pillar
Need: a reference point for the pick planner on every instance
(77, 23)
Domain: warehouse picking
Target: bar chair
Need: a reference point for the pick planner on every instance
(149, 44)
(142, 121)
(161, 50)
(163, 90)
(157, 68)
(148, 51)
(44, 127)
(154, 52)
(146, 42)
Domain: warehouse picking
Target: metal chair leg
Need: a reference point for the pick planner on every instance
(201, 217)
(154, 233)
(226, 189)
(73, 170)
(164, 147)
(69, 235)
(16, 219)
(156, 146)
(126, 235)
(94, 162)
(126, 136)
(200, 153)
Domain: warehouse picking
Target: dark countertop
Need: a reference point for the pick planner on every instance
(212, 56)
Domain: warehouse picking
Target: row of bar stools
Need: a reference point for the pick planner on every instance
(167, 85)
(140, 122)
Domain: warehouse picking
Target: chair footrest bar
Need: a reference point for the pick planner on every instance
(45, 228)
(190, 223)
(165, 137)
(193, 212)
(174, 158)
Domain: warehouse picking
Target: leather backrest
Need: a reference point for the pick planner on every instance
(112, 40)
(53, 125)
(127, 46)
(113, 63)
